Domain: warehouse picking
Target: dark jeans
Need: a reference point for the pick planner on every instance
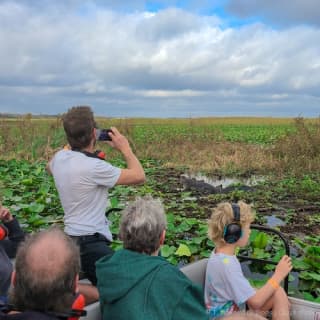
(92, 248)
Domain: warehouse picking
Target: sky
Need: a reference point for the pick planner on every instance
(135, 58)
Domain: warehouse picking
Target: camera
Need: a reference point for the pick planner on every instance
(103, 135)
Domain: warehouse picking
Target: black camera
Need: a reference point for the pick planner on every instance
(103, 135)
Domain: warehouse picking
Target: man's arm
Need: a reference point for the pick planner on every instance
(134, 173)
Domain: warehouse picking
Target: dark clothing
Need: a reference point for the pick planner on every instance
(15, 236)
(92, 248)
(8, 248)
(5, 274)
(27, 315)
(7, 312)
(137, 286)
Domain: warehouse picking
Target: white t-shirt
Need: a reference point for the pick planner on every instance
(83, 184)
(226, 288)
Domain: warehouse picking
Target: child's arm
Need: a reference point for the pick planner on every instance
(263, 294)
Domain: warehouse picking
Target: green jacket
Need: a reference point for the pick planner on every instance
(136, 286)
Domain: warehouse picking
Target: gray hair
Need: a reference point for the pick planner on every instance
(141, 225)
(47, 264)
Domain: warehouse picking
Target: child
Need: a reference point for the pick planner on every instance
(11, 235)
(226, 288)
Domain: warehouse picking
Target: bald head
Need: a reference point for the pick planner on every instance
(48, 254)
(46, 269)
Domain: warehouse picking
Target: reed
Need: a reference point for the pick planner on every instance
(225, 145)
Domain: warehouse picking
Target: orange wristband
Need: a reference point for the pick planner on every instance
(273, 283)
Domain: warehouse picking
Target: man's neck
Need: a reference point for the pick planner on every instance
(90, 147)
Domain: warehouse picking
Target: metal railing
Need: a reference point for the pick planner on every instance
(265, 261)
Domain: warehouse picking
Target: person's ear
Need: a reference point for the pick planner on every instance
(162, 237)
(13, 278)
(76, 283)
(94, 133)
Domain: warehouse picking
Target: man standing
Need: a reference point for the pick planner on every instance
(83, 180)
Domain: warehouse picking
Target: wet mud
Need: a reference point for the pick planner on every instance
(196, 198)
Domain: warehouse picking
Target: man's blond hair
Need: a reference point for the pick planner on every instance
(222, 215)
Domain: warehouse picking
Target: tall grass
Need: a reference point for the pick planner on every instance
(30, 139)
(212, 145)
(299, 152)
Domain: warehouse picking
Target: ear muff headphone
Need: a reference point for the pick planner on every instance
(3, 232)
(233, 232)
(77, 308)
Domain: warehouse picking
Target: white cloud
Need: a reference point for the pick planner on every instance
(171, 93)
(135, 58)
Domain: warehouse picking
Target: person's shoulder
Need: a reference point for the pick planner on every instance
(169, 278)
(223, 263)
(100, 162)
(169, 272)
(222, 258)
(60, 155)
(101, 166)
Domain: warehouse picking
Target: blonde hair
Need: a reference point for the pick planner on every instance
(222, 215)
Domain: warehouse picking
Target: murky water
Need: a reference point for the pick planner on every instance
(274, 221)
(227, 181)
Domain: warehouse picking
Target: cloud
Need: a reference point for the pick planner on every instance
(283, 13)
(61, 56)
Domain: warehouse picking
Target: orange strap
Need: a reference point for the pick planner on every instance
(77, 306)
(273, 283)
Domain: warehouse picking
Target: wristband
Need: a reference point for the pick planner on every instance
(273, 283)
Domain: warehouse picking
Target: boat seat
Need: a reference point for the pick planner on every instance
(196, 271)
(93, 312)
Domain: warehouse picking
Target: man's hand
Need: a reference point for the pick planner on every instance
(119, 141)
(134, 173)
(5, 215)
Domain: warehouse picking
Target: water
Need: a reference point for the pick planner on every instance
(227, 181)
(274, 221)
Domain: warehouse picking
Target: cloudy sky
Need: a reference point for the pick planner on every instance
(161, 58)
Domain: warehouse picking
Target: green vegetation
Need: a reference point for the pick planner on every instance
(285, 152)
